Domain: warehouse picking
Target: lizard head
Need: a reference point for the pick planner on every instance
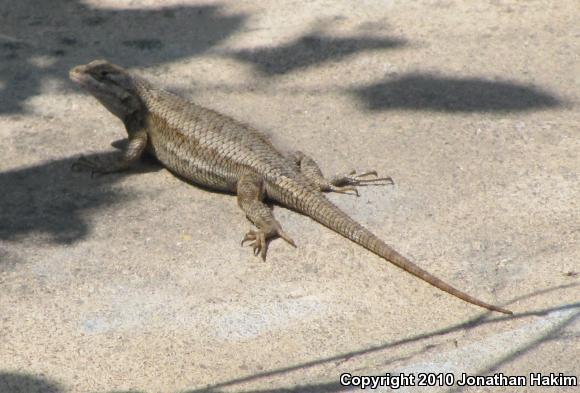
(112, 85)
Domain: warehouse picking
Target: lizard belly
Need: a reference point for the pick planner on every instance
(193, 164)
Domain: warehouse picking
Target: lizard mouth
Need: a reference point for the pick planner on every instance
(78, 76)
(86, 82)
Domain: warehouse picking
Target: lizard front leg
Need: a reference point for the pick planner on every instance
(343, 184)
(250, 190)
(132, 152)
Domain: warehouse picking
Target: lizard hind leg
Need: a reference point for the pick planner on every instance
(250, 192)
(344, 184)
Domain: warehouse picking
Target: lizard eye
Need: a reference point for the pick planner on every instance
(104, 73)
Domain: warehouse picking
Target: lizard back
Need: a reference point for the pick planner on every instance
(205, 146)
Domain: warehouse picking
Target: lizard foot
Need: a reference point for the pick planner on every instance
(84, 164)
(260, 240)
(259, 244)
(350, 181)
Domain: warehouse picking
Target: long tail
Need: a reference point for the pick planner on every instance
(329, 215)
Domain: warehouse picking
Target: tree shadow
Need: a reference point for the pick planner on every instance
(25, 383)
(126, 391)
(550, 335)
(447, 94)
(49, 199)
(21, 383)
(323, 387)
(310, 50)
(480, 320)
(42, 40)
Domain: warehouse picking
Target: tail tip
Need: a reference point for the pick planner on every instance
(503, 310)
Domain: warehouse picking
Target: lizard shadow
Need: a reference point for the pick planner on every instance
(53, 201)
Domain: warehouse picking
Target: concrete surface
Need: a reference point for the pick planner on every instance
(137, 282)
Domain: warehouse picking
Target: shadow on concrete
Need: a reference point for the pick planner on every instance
(311, 50)
(42, 40)
(327, 387)
(126, 391)
(551, 335)
(29, 383)
(21, 383)
(24, 383)
(336, 386)
(447, 94)
(50, 199)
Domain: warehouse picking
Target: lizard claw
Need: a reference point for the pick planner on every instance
(260, 240)
(285, 236)
(92, 165)
(80, 164)
(352, 180)
(259, 244)
(350, 190)
(84, 164)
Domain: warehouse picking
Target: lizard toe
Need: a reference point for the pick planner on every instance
(258, 243)
(84, 164)
(352, 179)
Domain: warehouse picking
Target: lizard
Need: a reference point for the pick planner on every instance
(213, 150)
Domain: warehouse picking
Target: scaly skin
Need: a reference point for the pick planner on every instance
(216, 151)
